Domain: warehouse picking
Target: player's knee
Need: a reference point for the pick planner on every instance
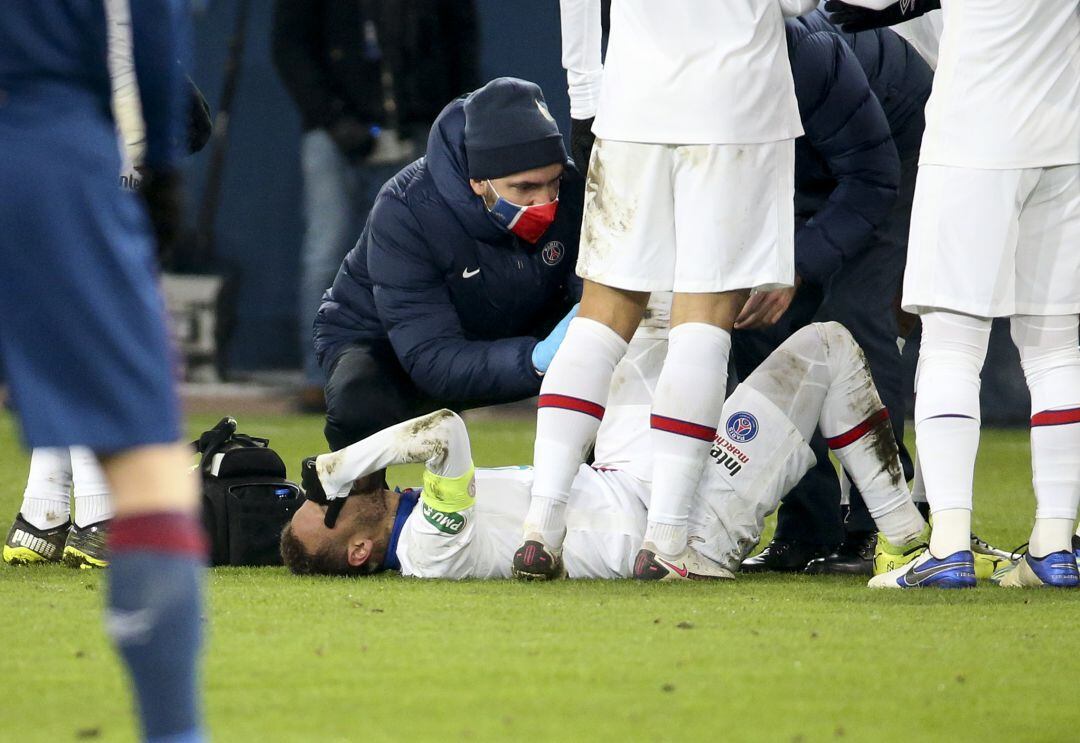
(1048, 347)
(836, 335)
(954, 339)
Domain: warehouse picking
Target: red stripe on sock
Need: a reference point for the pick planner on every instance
(850, 437)
(575, 404)
(1056, 417)
(682, 428)
(166, 531)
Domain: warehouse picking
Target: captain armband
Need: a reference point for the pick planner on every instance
(449, 494)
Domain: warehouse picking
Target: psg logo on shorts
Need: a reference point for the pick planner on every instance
(553, 253)
(742, 427)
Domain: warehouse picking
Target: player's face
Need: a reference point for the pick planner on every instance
(527, 188)
(308, 526)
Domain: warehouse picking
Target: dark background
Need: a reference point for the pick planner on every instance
(259, 224)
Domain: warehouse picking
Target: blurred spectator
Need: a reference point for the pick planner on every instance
(369, 77)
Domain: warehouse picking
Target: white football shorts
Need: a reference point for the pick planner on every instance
(995, 243)
(689, 218)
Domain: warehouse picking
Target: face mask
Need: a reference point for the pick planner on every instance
(527, 222)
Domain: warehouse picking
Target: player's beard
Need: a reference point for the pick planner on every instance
(370, 512)
(370, 518)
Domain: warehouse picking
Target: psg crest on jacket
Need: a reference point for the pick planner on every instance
(553, 252)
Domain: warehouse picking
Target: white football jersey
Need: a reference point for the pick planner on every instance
(1007, 88)
(757, 456)
(683, 71)
(924, 34)
(605, 522)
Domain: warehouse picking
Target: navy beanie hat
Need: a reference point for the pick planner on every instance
(508, 129)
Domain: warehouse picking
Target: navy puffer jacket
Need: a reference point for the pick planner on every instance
(859, 96)
(462, 301)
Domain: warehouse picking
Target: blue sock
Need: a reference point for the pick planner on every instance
(156, 568)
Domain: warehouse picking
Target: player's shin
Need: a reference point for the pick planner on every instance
(686, 408)
(46, 501)
(1051, 361)
(93, 502)
(857, 427)
(158, 552)
(947, 420)
(570, 407)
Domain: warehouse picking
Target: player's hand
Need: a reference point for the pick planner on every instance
(853, 18)
(581, 142)
(353, 138)
(544, 351)
(764, 309)
(161, 191)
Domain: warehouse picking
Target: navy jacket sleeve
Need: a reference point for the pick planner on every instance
(160, 39)
(845, 124)
(414, 305)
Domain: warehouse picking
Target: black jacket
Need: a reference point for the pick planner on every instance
(462, 300)
(861, 99)
(332, 69)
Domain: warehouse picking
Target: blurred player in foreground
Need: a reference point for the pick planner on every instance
(994, 233)
(45, 529)
(82, 327)
(466, 523)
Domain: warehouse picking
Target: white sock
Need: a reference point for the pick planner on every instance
(93, 501)
(571, 404)
(547, 517)
(46, 500)
(1050, 357)
(857, 428)
(918, 485)
(949, 525)
(686, 409)
(947, 419)
(1050, 535)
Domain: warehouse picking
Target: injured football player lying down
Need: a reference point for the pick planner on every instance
(466, 522)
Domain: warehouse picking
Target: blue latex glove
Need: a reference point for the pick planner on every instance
(544, 351)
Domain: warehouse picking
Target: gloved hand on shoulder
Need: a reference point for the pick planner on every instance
(854, 18)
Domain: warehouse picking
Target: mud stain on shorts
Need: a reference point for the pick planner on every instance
(608, 217)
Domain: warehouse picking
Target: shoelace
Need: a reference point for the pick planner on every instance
(1019, 552)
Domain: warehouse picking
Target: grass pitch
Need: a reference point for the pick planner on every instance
(766, 658)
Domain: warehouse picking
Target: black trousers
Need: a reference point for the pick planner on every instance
(860, 296)
(367, 390)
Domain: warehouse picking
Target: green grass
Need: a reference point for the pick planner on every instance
(767, 658)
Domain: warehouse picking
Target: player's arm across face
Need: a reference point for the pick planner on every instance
(440, 440)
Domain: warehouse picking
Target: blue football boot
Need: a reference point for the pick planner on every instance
(926, 571)
(1056, 570)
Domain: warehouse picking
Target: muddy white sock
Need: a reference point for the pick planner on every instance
(93, 502)
(47, 499)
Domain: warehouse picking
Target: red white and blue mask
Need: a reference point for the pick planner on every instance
(527, 222)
